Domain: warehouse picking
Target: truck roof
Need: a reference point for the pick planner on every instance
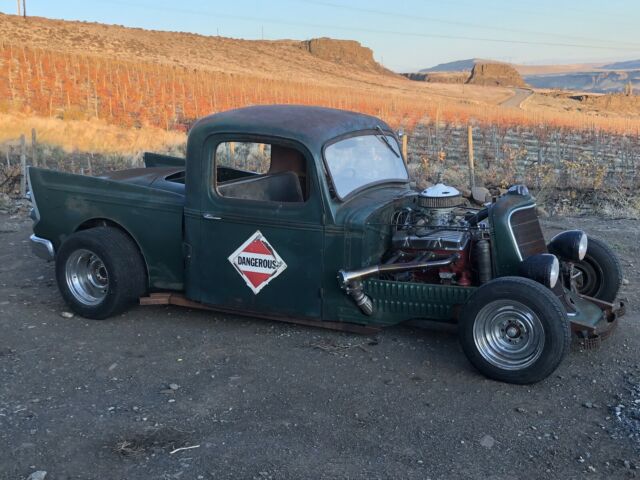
(312, 126)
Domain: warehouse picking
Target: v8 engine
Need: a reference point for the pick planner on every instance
(438, 227)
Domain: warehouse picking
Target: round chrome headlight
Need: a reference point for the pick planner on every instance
(582, 247)
(569, 246)
(554, 272)
(544, 268)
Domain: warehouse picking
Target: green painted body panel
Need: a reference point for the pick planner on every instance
(152, 160)
(294, 230)
(152, 217)
(358, 236)
(396, 302)
(186, 232)
(504, 252)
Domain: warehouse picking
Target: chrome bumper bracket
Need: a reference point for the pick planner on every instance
(43, 248)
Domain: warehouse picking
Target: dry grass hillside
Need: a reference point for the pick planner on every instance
(311, 61)
(128, 77)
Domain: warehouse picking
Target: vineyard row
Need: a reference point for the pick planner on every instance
(136, 94)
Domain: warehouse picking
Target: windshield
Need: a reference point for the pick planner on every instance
(363, 160)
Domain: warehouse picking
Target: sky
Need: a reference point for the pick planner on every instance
(405, 36)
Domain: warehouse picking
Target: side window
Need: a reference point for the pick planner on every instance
(261, 172)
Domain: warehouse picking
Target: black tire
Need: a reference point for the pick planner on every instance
(114, 272)
(549, 336)
(601, 272)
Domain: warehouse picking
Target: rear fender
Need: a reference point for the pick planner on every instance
(153, 218)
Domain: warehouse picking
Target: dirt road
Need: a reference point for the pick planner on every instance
(520, 95)
(114, 399)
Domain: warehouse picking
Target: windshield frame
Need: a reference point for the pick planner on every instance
(361, 133)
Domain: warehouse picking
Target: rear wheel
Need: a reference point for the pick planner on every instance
(600, 273)
(100, 272)
(514, 330)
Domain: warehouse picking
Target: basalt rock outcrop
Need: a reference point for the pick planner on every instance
(495, 74)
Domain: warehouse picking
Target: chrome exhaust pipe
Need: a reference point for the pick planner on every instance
(351, 280)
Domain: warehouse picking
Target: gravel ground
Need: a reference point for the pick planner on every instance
(115, 399)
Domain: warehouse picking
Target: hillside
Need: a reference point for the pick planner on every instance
(597, 82)
(628, 65)
(588, 77)
(305, 60)
(135, 78)
(535, 69)
(485, 73)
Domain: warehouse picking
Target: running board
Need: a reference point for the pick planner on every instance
(168, 298)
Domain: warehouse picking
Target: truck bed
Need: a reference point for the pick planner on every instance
(170, 179)
(148, 204)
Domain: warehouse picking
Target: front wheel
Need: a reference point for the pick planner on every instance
(514, 330)
(100, 272)
(600, 273)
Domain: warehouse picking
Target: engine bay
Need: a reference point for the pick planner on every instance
(441, 225)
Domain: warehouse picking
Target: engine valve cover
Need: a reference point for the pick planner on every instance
(426, 239)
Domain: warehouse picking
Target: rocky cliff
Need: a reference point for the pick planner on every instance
(450, 77)
(495, 74)
(343, 52)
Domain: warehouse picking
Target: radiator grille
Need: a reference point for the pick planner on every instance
(527, 232)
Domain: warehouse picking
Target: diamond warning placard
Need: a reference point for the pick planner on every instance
(257, 262)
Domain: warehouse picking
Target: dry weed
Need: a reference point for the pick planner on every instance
(88, 135)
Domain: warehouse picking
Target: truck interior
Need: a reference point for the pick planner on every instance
(258, 171)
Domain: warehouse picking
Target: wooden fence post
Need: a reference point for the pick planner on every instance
(437, 131)
(23, 166)
(472, 172)
(405, 141)
(34, 148)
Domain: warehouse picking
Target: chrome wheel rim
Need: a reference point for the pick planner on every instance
(87, 277)
(508, 334)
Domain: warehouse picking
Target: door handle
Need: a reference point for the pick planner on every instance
(208, 216)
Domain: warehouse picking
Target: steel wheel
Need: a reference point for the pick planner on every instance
(508, 334)
(587, 279)
(87, 277)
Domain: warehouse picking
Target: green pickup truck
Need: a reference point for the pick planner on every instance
(307, 214)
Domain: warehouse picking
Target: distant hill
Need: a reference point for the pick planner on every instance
(597, 82)
(588, 77)
(457, 66)
(628, 65)
(483, 73)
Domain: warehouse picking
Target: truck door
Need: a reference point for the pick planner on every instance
(261, 235)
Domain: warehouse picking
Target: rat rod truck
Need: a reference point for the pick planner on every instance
(306, 214)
